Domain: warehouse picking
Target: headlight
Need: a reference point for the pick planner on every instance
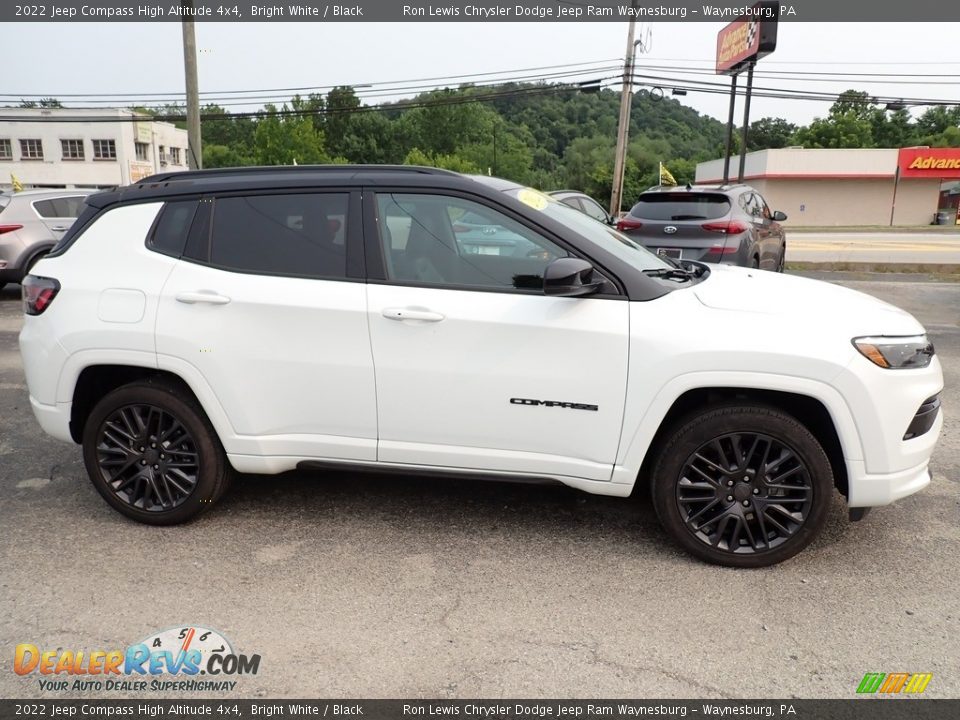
(896, 353)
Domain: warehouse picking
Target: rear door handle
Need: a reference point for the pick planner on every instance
(412, 314)
(202, 296)
(60, 228)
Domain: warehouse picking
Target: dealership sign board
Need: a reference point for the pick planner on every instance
(929, 163)
(748, 38)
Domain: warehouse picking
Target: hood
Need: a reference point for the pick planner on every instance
(802, 300)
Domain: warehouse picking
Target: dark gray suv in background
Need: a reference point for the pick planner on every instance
(715, 224)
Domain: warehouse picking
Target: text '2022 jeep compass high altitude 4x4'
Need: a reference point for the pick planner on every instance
(265, 319)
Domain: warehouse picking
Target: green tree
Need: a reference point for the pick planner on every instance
(416, 156)
(847, 130)
(287, 139)
(770, 132)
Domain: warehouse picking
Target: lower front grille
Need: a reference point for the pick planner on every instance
(924, 418)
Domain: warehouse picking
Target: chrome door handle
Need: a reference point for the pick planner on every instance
(60, 228)
(412, 314)
(203, 296)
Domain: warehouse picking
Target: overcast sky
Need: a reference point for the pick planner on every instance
(60, 58)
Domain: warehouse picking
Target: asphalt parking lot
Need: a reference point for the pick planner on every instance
(364, 586)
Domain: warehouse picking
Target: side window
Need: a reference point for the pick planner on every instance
(764, 208)
(572, 202)
(441, 240)
(594, 210)
(45, 208)
(748, 201)
(297, 234)
(63, 207)
(170, 231)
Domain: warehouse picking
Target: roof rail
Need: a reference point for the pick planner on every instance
(256, 169)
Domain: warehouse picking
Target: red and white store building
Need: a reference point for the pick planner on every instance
(905, 186)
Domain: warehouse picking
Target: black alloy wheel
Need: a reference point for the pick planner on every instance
(742, 485)
(153, 455)
(744, 493)
(147, 458)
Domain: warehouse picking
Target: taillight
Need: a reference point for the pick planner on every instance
(38, 293)
(9, 228)
(728, 227)
(624, 224)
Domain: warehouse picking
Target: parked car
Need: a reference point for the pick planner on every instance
(584, 203)
(714, 224)
(31, 222)
(261, 320)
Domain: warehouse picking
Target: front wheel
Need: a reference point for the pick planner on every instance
(152, 454)
(781, 263)
(744, 486)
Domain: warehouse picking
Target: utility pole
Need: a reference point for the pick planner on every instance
(626, 96)
(194, 151)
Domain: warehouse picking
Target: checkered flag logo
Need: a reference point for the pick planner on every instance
(752, 29)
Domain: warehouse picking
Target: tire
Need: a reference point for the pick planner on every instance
(2, 286)
(722, 506)
(755, 263)
(781, 263)
(143, 464)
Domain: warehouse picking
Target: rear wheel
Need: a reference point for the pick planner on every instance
(153, 455)
(744, 486)
(755, 263)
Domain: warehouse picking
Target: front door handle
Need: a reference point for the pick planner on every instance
(60, 228)
(203, 296)
(412, 314)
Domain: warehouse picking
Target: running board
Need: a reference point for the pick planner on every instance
(414, 471)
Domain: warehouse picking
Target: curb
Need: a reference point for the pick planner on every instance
(952, 269)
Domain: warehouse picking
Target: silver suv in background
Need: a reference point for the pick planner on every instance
(31, 223)
(716, 224)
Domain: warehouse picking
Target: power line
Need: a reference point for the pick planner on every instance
(316, 87)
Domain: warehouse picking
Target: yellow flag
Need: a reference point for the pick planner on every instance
(17, 186)
(666, 177)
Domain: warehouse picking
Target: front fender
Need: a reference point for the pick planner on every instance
(637, 436)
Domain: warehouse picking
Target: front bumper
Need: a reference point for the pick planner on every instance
(875, 489)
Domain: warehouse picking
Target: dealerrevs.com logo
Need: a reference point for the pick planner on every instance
(894, 683)
(170, 660)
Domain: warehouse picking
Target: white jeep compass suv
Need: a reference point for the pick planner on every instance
(264, 319)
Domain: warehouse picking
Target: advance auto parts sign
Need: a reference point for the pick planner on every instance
(929, 163)
(752, 36)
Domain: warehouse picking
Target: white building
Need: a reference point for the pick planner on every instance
(77, 148)
(877, 186)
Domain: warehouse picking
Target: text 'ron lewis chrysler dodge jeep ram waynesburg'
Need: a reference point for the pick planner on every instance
(264, 319)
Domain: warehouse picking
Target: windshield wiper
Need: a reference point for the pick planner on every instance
(671, 273)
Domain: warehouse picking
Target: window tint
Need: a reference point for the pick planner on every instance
(65, 207)
(681, 206)
(170, 233)
(302, 234)
(440, 240)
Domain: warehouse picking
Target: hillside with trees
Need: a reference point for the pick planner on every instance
(547, 136)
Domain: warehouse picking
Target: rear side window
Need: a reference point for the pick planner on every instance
(681, 206)
(297, 234)
(170, 231)
(63, 207)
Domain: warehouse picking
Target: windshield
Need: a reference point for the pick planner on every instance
(681, 206)
(604, 236)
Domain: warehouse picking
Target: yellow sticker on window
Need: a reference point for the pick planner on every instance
(534, 198)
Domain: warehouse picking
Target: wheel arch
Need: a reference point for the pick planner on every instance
(95, 381)
(820, 408)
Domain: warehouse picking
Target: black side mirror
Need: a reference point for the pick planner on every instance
(570, 277)
(779, 216)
